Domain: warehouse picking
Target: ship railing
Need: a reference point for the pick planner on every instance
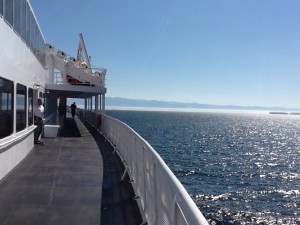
(162, 198)
(59, 78)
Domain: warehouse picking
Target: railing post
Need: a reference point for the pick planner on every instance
(136, 161)
(155, 194)
(144, 180)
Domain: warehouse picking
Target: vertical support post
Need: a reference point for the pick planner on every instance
(96, 104)
(103, 104)
(85, 104)
(96, 110)
(91, 102)
(100, 103)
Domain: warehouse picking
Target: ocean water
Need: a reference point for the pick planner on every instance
(239, 168)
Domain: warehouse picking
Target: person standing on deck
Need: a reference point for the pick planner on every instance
(73, 109)
(38, 111)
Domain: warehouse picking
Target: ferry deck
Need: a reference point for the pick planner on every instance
(72, 179)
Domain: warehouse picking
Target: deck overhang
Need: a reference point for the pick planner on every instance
(73, 91)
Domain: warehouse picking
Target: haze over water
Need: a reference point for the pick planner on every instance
(239, 168)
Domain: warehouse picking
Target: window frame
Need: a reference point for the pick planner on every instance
(21, 109)
(7, 112)
(30, 107)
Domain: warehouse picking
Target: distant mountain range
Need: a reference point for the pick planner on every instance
(125, 102)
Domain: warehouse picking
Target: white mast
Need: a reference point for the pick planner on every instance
(82, 49)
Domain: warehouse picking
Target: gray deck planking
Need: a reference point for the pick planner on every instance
(61, 183)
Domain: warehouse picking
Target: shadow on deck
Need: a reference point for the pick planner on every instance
(69, 129)
(118, 203)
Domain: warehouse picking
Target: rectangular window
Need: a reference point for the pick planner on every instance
(8, 11)
(17, 16)
(32, 31)
(21, 107)
(1, 7)
(30, 106)
(23, 19)
(6, 107)
(27, 37)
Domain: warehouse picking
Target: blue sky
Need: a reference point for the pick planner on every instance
(226, 52)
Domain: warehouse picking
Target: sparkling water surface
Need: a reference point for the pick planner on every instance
(239, 168)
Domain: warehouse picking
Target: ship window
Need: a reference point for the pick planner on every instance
(32, 31)
(6, 107)
(1, 7)
(23, 19)
(30, 106)
(17, 16)
(27, 23)
(8, 12)
(21, 107)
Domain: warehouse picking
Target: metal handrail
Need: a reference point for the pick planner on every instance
(163, 198)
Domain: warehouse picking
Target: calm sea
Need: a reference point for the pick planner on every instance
(239, 168)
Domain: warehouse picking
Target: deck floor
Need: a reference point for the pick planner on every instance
(62, 182)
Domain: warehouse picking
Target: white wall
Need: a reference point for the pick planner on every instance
(17, 61)
(15, 151)
(18, 64)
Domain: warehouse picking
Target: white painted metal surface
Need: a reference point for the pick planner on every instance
(19, 65)
(163, 198)
(50, 131)
(14, 149)
(56, 59)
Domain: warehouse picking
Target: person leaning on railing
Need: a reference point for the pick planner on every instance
(38, 111)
